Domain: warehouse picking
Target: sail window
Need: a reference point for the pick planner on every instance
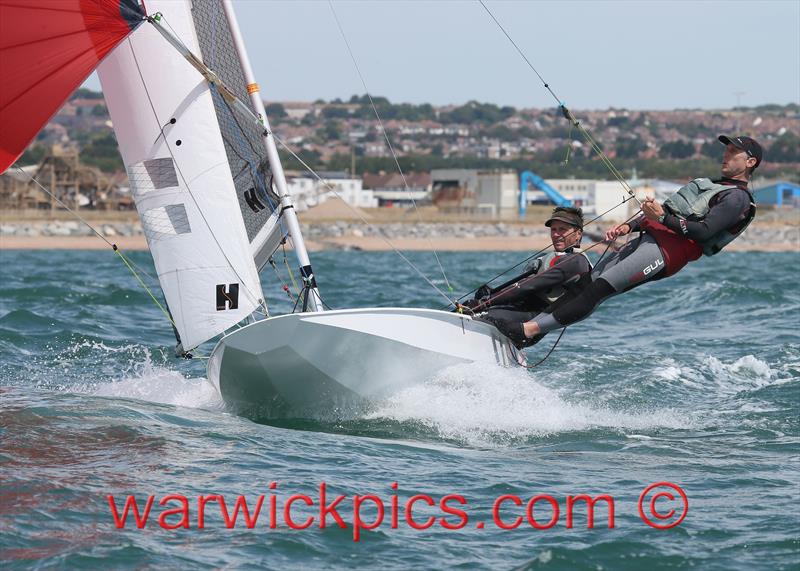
(165, 222)
(153, 174)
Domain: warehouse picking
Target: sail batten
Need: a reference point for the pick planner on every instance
(169, 137)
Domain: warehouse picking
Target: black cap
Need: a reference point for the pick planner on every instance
(746, 144)
(572, 216)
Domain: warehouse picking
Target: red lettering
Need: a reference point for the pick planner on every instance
(410, 504)
(453, 511)
(241, 502)
(394, 506)
(184, 510)
(130, 502)
(201, 509)
(656, 513)
(553, 518)
(287, 511)
(273, 507)
(496, 511)
(590, 511)
(358, 524)
(325, 509)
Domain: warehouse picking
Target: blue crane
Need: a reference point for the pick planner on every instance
(530, 178)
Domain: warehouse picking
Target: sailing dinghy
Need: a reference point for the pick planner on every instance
(211, 194)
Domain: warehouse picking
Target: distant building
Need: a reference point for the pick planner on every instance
(77, 185)
(392, 189)
(299, 109)
(604, 197)
(308, 191)
(786, 194)
(490, 192)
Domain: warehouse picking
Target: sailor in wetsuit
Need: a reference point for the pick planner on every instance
(543, 281)
(700, 218)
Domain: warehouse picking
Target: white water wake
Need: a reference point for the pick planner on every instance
(482, 404)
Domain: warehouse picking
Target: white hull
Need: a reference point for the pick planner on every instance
(311, 363)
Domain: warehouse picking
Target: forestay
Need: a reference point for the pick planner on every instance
(180, 178)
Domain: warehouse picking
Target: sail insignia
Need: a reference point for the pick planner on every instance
(169, 137)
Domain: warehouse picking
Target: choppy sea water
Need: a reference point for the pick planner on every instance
(694, 380)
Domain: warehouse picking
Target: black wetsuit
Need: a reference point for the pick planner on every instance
(526, 296)
(659, 252)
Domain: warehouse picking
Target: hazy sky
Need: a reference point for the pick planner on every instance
(598, 54)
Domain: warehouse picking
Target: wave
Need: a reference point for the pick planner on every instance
(480, 405)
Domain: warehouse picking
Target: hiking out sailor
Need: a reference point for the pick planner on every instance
(700, 218)
(545, 280)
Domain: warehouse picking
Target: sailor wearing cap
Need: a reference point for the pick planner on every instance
(701, 218)
(544, 281)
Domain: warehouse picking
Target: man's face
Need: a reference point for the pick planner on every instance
(563, 235)
(735, 162)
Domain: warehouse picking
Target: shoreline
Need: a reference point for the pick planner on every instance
(363, 243)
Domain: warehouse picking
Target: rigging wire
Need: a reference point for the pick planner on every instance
(130, 264)
(360, 216)
(259, 301)
(566, 112)
(248, 112)
(543, 359)
(386, 136)
(567, 235)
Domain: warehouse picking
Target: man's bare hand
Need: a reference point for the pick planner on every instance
(616, 231)
(652, 210)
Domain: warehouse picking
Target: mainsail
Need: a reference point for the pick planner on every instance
(47, 49)
(259, 204)
(169, 137)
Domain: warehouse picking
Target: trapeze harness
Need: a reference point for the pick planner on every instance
(544, 263)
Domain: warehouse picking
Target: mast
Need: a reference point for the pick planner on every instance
(312, 302)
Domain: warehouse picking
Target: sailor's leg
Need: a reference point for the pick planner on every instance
(635, 267)
(508, 322)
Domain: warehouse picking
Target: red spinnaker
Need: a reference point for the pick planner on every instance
(47, 49)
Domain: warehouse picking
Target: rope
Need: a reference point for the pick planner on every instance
(243, 282)
(291, 274)
(487, 303)
(566, 112)
(363, 220)
(144, 286)
(284, 287)
(134, 269)
(543, 359)
(386, 136)
(543, 250)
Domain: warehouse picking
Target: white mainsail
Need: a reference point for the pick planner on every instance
(170, 141)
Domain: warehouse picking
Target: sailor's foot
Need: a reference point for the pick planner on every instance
(531, 341)
(511, 329)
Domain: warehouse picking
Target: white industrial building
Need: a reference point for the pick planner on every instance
(491, 192)
(598, 196)
(308, 191)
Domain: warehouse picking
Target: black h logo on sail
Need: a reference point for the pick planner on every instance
(227, 298)
(252, 200)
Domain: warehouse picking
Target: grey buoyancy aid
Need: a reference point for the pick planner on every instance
(548, 261)
(691, 202)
